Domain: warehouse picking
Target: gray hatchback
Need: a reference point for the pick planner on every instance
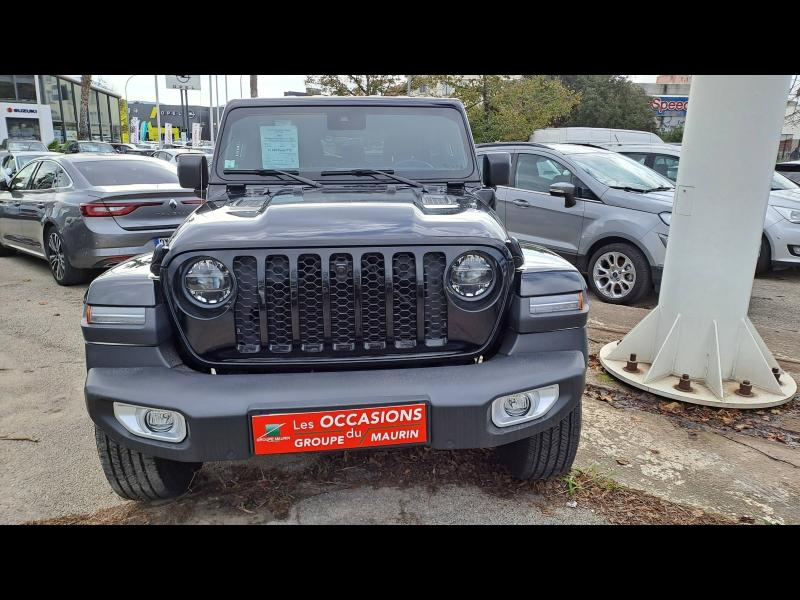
(602, 211)
(82, 212)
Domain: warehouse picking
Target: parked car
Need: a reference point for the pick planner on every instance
(88, 146)
(780, 244)
(12, 162)
(89, 211)
(789, 169)
(592, 135)
(125, 148)
(605, 213)
(368, 298)
(171, 155)
(14, 145)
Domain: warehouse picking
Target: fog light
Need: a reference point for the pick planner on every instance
(149, 422)
(159, 421)
(518, 404)
(523, 406)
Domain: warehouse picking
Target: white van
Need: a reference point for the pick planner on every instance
(593, 135)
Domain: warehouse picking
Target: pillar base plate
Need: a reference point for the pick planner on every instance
(665, 386)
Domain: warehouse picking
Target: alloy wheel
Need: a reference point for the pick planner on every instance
(614, 275)
(55, 255)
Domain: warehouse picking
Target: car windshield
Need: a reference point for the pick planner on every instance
(126, 172)
(24, 159)
(26, 145)
(615, 170)
(96, 147)
(414, 141)
(779, 182)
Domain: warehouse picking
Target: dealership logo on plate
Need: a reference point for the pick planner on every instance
(272, 432)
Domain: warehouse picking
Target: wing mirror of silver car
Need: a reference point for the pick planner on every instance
(193, 171)
(496, 169)
(566, 190)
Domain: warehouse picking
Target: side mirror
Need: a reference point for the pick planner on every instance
(3, 185)
(496, 169)
(566, 190)
(193, 171)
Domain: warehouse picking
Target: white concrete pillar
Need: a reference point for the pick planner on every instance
(700, 326)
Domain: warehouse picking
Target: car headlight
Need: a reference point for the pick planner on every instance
(665, 217)
(208, 282)
(790, 214)
(471, 276)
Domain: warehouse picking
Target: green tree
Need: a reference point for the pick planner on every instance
(504, 109)
(608, 101)
(356, 85)
(672, 135)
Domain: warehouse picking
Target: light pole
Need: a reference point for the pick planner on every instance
(127, 109)
(241, 94)
(158, 112)
(211, 108)
(216, 93)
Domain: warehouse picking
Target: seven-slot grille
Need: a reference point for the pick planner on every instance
(341, 302)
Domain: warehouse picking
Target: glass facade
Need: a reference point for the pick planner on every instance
(17, 88)
(63, 96)
(116, 125)
(68, 109)
(105, 117)
(94, 116)
(48, 86)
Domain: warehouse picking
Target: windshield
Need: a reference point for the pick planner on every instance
(96, 147)
(127, 172)
(416, 142)
(24, 159)
(779, 182)
(17, 146)
(615, 170)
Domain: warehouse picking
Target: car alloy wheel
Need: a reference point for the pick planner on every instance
(614, 275)
(56, 256)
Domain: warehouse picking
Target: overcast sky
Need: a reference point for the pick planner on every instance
(142, 87)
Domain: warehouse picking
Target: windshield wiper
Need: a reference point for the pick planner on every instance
(628, 188)
(370, 172)
(267, 172)
(659, 189)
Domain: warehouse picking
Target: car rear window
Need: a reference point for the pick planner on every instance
(126, 172)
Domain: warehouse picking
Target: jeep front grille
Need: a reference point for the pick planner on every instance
(341, 303)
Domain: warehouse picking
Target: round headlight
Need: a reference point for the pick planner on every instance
(208, 282)
(471, 275)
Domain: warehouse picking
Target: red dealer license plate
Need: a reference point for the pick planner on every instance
(280, 433)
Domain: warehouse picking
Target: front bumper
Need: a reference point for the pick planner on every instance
(217, 408)
(782, 235)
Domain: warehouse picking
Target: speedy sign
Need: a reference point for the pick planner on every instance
(281, 433)
(670, 106)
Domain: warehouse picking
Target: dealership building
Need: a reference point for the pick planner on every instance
(46, 107)
(173, 114)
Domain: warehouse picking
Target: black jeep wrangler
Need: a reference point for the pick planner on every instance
(345, 285)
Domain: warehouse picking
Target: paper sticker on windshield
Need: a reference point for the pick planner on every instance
(279, 147)
(230, 164)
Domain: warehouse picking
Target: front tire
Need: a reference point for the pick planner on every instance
(547, 454)
(60, 267)
(140, 477)
(619, 274)
(764, 263)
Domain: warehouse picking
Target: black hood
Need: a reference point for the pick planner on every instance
(340, 216)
